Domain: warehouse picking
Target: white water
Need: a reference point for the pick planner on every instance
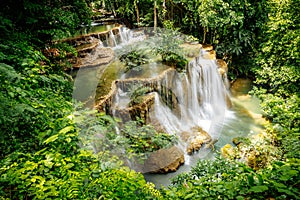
(237, 123)
(112, 39)
(201, 95)
(124, 37)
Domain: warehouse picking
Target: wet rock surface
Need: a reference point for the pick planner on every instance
(196, 139)
(97, 57)
(163, 161)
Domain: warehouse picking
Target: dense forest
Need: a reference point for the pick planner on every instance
(39, 140)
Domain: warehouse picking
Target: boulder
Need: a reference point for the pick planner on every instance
(195, 139)
(163, 161)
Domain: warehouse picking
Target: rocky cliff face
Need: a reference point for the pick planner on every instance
(142, 110)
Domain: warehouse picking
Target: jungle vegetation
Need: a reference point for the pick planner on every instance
(42, 151)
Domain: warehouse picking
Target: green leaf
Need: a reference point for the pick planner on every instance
(258, 188)
(189, 196)
(66, 129)
(51, 139)
(286, 191)
(240, 198)
(250, 180)
(68, 140)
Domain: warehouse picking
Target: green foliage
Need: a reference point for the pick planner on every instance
(45, 20)
(133, 60)
(221, 179)
(127, 9)
(278, 59)
(29, 105)
(54, 174)
(125, 184)
(212, 171)
(167, 45)
(137, 93)
(144, 139)
(277, 74)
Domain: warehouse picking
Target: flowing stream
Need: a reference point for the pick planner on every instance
(201, 99)
(243, 119)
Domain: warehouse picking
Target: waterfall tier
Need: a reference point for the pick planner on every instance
(177, 103)
(191, 105)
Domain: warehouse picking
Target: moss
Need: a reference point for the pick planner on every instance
(111, 73)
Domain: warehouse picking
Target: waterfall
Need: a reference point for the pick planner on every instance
(178, 103)
(201, 96)
(183, 101)
(166, 117)
(125, 35)
(112, 39)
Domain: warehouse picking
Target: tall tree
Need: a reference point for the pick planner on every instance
(46, 20)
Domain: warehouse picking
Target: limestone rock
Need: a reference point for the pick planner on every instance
(241, 87)
(207, 47)
(196, 139)
(98, 57)
(207, 52)
(223, 68)
(163, 161)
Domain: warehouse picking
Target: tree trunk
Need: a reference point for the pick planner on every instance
(164, 10)
(137, 13)
(204, 34)
(155, 16)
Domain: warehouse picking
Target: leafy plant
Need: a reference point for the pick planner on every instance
(144, 139)
(223, 179)
(133, 60)
(51, 173)
(167, 45)
(100, 133)
(137, 93)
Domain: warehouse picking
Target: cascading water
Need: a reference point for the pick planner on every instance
(200, 96)
(112, 39)
(123, 36)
